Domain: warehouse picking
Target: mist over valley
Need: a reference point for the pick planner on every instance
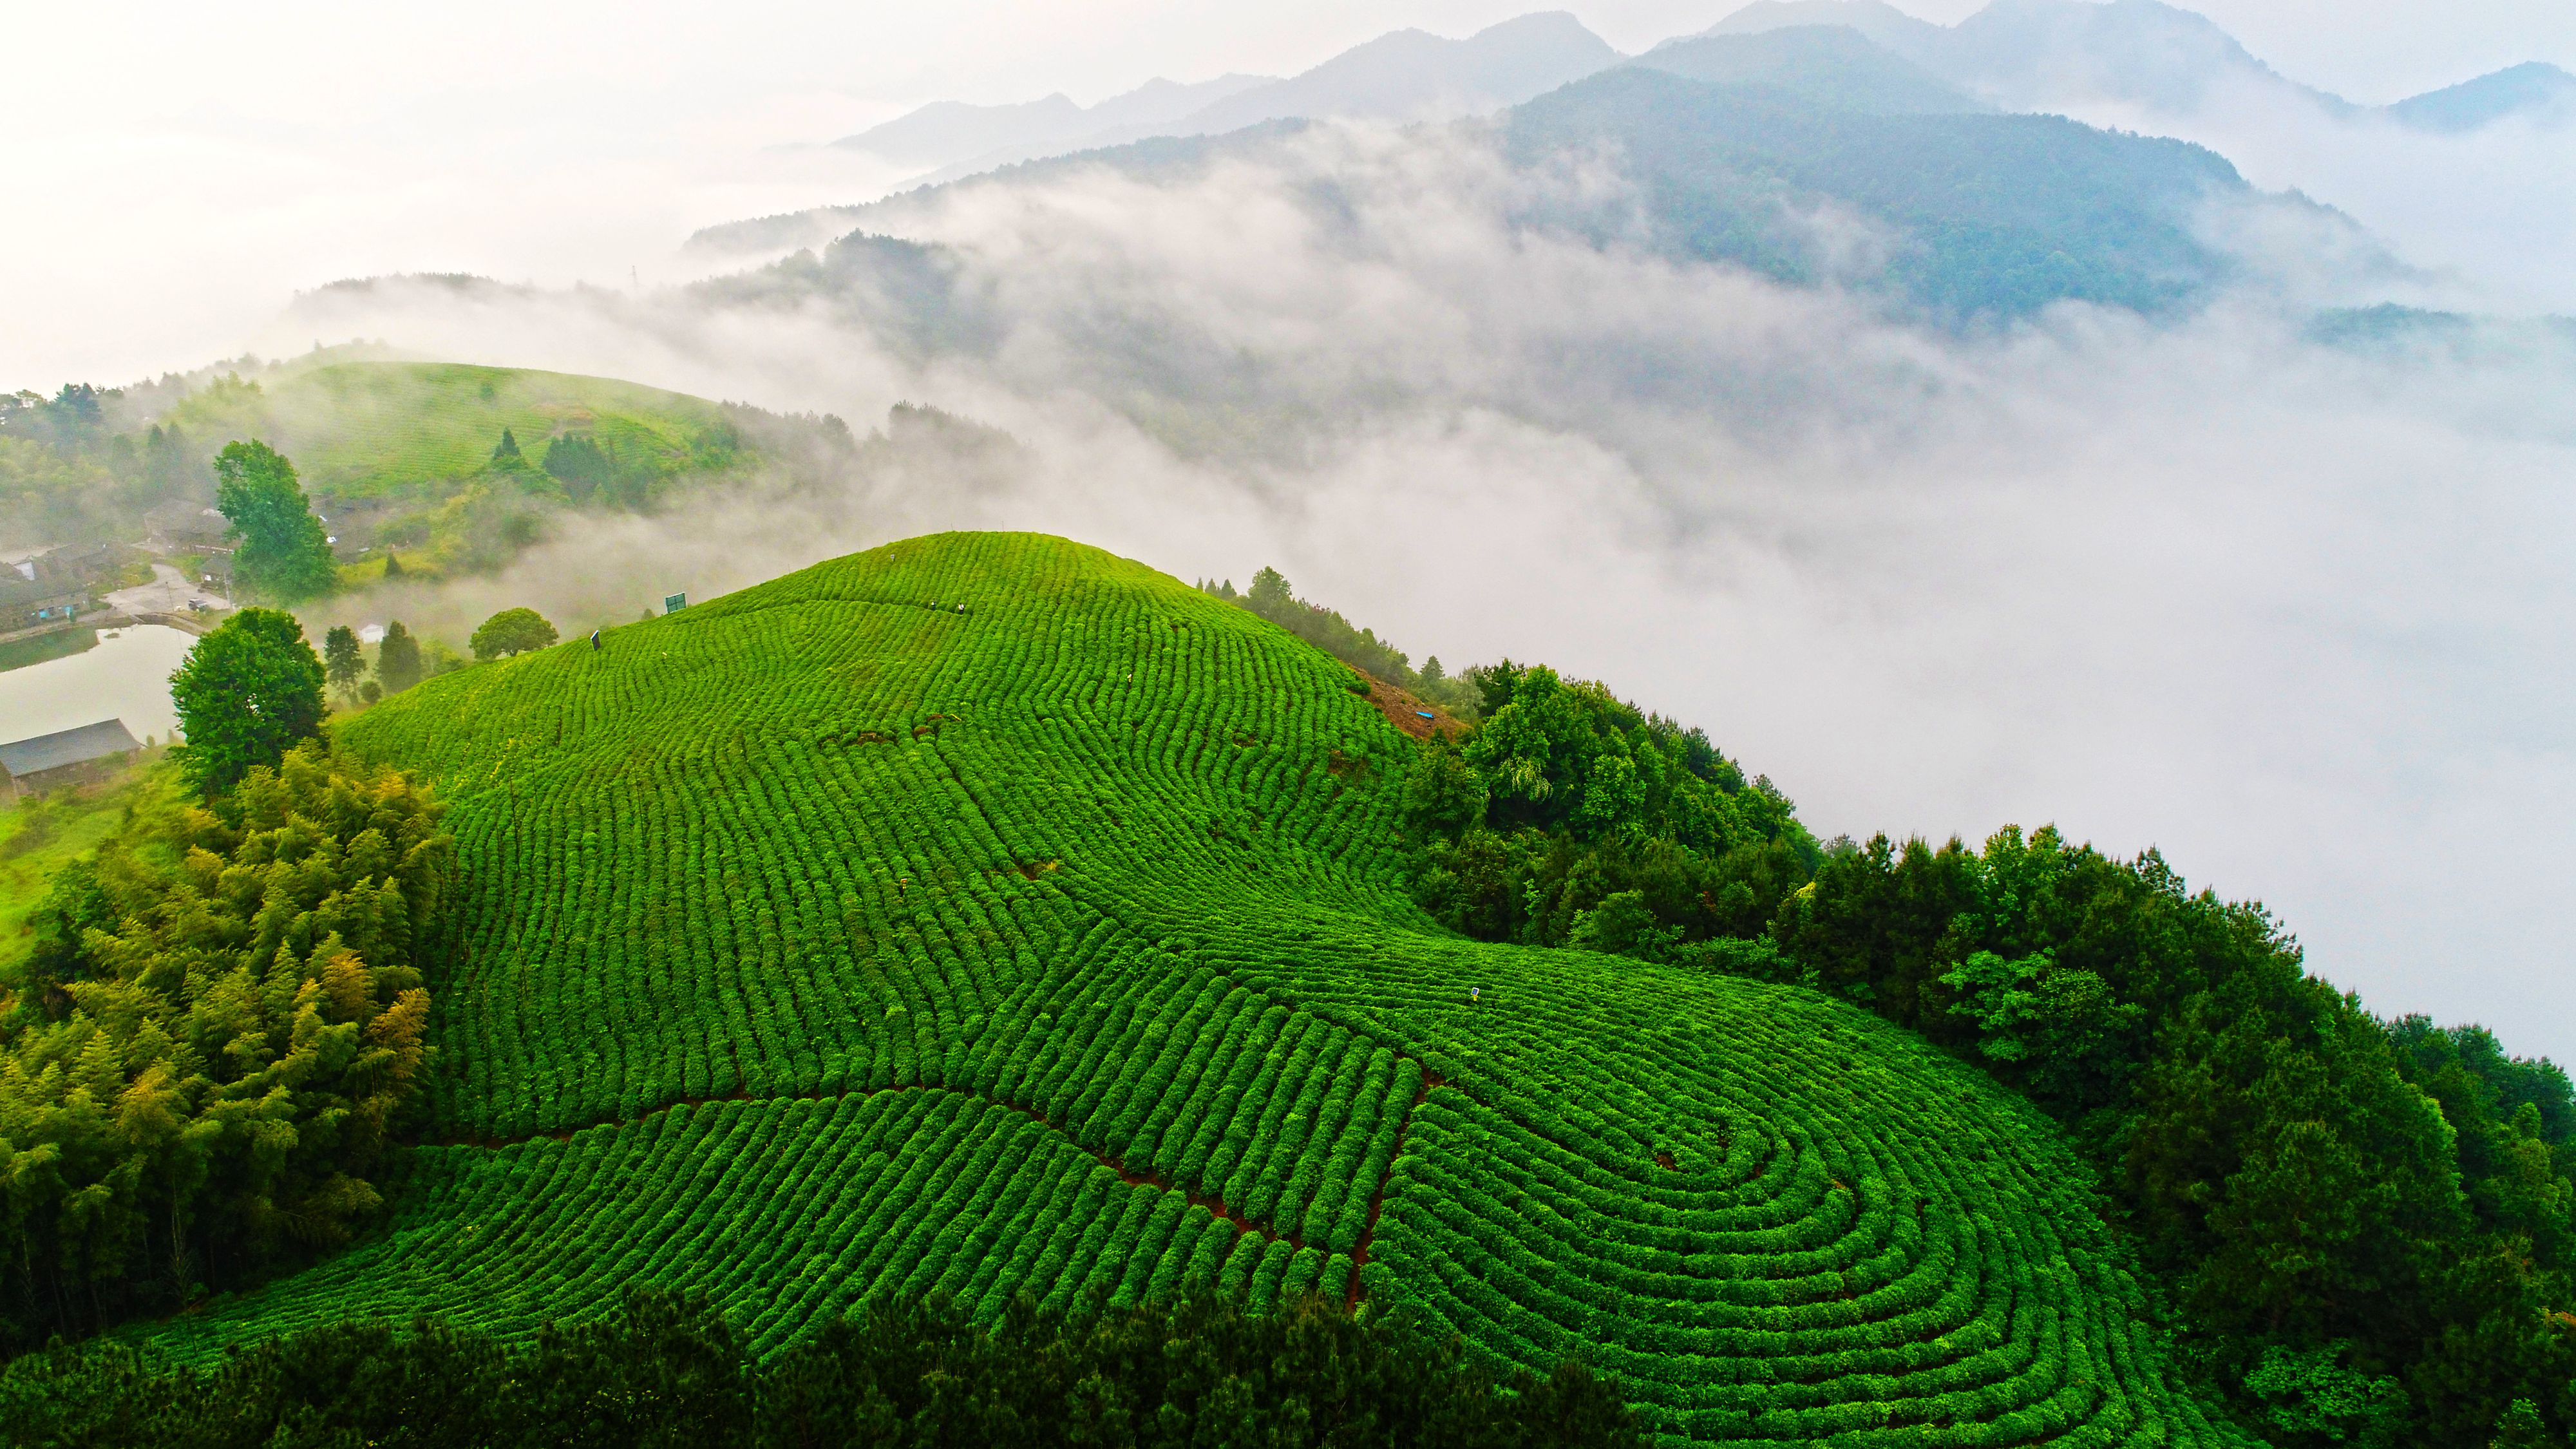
(2138, 454)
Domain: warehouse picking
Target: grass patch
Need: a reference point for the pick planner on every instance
(42, 834)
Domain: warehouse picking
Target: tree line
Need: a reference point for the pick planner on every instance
(667, 1370)
(1273, 598)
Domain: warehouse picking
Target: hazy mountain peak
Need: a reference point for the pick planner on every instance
(2535, 89)
(2046, 54)
(1413, 74)
(1403, 75)
(1832, 65)
(1161, 100)
(947, 131)
(2143, 51)
(1876, 19)
(930, 133)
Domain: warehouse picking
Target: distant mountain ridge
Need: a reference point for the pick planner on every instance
(1971, 218)
(1983, 217)
(1830, 65)
(2038, 54)
(2013, 55)
(1405, 75)
(946, 131)
(1786, 111)
(2533, 89)
(2029, 55)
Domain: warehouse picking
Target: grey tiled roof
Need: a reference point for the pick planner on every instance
(67, 747)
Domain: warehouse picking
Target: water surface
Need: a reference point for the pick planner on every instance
(127, 676)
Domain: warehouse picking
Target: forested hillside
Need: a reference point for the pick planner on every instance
(1984, 216)
(2367, 1226)
(1730, 148)
(986, 915)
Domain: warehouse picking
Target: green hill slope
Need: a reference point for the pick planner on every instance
(398, 455)
(827, 939)
(406, 431)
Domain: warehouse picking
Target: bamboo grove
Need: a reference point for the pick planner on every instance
(211, 1044)
(986, 916)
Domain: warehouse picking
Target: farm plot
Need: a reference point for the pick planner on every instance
(988, 914)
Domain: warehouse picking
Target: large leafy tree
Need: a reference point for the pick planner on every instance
(246, 694)
(1570, 817)
(284, 555)
(512, 631)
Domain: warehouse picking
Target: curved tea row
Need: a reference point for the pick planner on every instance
(1048, 916)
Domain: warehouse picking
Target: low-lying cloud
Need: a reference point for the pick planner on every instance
(2299, 615)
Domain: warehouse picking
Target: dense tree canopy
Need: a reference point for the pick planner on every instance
(284, 556)
(245, 695)
(670, 1371)
(1566, 801)
(210, 1042)
(582, 466)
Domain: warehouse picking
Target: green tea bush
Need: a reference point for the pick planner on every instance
(985, 916)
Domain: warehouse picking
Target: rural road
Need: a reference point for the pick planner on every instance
(168, 593)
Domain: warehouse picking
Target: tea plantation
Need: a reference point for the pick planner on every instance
(987, 914)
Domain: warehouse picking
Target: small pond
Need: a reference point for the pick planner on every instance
(126, 676)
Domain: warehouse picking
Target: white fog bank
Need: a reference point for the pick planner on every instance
(2296, 615)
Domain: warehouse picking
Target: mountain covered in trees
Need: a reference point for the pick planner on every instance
(2026, 56)
(1810, 156)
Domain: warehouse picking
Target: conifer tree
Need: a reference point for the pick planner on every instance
(341, 658)
(398, 659)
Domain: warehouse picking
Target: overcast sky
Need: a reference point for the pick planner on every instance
(183, 169)
(305, 60)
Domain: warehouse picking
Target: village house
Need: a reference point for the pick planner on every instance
(65, 757)
(27, 604)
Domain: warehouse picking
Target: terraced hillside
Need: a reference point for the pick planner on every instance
(988, 914)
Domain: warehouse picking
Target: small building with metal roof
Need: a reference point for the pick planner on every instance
(65, 757)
